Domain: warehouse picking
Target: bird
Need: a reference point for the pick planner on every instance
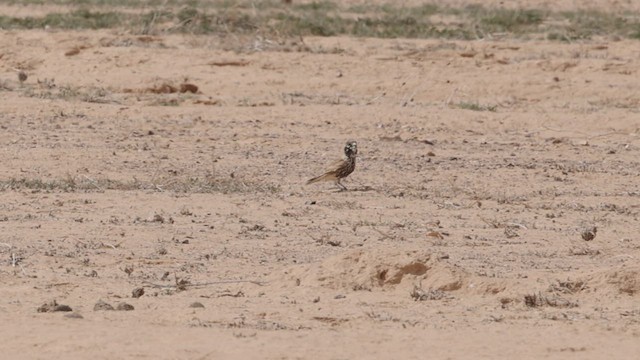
(341, 168)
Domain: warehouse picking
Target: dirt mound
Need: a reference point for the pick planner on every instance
(380, 269)
(618, 281)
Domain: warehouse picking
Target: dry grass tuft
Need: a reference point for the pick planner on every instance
(187, 185)
(540, 300)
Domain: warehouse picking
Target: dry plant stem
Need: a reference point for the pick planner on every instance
(589, 137)
(149, 27)
(384, 234)
(179, 25)
(448, 101)
(110, 245)
(493, 223)
(93, 182)
(314, 238)
(376, 98)
(16, 261)
(408, 99)
(160, 286)
(521, 226)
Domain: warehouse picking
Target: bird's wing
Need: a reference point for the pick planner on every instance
(334, 166)
(329, 174)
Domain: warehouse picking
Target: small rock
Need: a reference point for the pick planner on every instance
(589, 233)
(102, 306)
(196, 305)
(137, 292)
(339, 296)
(22, 76)
(65, 308)
(53, 306)
(188, 88)
(124, 307)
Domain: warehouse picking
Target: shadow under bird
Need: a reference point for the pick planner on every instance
(341, 168)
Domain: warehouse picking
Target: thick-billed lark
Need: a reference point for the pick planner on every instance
(341, 168)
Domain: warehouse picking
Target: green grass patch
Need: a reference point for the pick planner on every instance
(78, 19)
(330, 18)
(510, 20)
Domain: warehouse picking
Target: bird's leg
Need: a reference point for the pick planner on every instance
(339, 184)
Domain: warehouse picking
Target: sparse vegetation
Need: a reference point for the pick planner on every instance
(190, 185)
(474, 106)
(78, 19)
(419, 294)
(68, 92)
(540, 300)
(330, 18)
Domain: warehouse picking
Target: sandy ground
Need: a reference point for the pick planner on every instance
(461, 235)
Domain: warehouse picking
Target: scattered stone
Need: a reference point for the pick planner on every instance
(137, 292)
(102, 306)
(186, 87)
(73, 51)
(53, 306)
(128, 270)
(196, 305)
(124, 307)
(589, 233)
(65, 308)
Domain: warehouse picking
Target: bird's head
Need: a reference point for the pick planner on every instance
(351, 148)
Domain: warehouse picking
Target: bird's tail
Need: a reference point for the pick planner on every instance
(318, 178)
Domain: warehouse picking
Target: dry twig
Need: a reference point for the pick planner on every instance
(160, 286)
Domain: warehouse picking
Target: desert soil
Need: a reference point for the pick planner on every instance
(483, 166)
